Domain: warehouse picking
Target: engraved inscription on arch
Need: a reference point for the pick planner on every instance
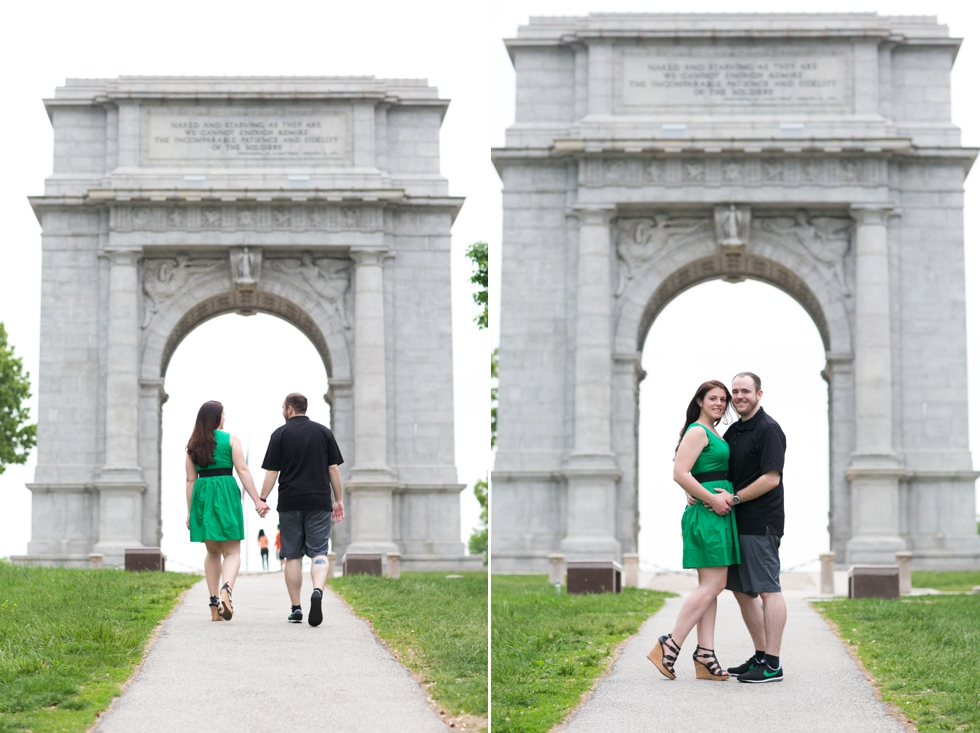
(316, 135)
(733, 78)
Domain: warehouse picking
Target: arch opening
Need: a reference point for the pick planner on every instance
(265, 303)
(249, 365)
(748, 326)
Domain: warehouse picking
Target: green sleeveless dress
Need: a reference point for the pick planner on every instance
(216, 504)
(709, 540)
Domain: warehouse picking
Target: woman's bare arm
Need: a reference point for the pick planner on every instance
(693, 442)
(191, 470)
(238, 458)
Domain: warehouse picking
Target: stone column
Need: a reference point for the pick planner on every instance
(120, 480)
(371, 480)
(875, 469)
(591, 471)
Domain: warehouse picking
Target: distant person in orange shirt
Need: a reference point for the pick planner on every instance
(282, 560)
(264, 549)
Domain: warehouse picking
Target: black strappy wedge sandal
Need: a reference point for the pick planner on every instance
(664, 654)
(215, 612)
(226, 609)
(709, 669)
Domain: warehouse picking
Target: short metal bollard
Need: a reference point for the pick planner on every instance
(904, 562)
(394, 565)
(594, 576)
(556, 568)
(362, 563)
(827, 573)
(144, 558)
(872, 581)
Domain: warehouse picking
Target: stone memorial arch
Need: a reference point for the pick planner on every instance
(175, 200)
(651, 153)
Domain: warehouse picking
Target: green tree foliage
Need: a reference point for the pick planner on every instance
(17, 437)
(480, 536)
(493, 399)
(477, 254)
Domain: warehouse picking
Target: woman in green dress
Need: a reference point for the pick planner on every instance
(214, 503)
(708, 526)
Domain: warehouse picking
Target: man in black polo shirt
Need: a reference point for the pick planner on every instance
(305, 458)
(758, 448)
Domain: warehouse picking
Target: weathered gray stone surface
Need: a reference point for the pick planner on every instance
(177, 199)
(651, 153)
(259, 672)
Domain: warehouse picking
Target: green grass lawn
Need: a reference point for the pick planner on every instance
(923, 651)
(437, 625)
(548, 648)
(70, 638)
(949, 580)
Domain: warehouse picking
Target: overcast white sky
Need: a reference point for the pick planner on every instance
(457, 47)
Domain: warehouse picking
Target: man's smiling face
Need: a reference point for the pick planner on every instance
(745, 398)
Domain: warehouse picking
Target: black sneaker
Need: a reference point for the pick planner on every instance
(762, 673)
(743, 668)
(296, 617)
(316, 613)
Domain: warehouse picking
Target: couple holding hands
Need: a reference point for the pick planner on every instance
(732, 528)
(303, 456)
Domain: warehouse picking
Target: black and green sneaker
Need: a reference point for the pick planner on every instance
(762, 673)
(741, 669)
(295, 615)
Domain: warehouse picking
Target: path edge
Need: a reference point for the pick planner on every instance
(154, 635)
(450, 721)
(617, 652)
(890, 708)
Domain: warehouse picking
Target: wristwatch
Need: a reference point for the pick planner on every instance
(736, 500)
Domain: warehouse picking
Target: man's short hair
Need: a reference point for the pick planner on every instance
(753, 377)
(297, 402)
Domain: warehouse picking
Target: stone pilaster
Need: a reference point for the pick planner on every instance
(371, 479)
(875, 469)
(591, 471)
(120, 480)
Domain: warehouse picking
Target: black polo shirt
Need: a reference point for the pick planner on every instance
(757, 446)
(302, 451)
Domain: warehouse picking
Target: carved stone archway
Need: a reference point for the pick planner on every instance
(204, 196)
(654, 152)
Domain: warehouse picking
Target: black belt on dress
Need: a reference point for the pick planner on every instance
(703, 478)
(214, 472)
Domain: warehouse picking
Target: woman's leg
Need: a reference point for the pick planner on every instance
(706, 626)
(711, 582)
(231, 549)
(212, 566)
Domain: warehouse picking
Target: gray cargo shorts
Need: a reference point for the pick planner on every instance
(759, 569)
(304, 532)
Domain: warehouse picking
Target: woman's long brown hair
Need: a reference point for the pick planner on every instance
(694, 409)
(202, 443)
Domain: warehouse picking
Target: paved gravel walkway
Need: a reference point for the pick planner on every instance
(823, 691)
(258, 672)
